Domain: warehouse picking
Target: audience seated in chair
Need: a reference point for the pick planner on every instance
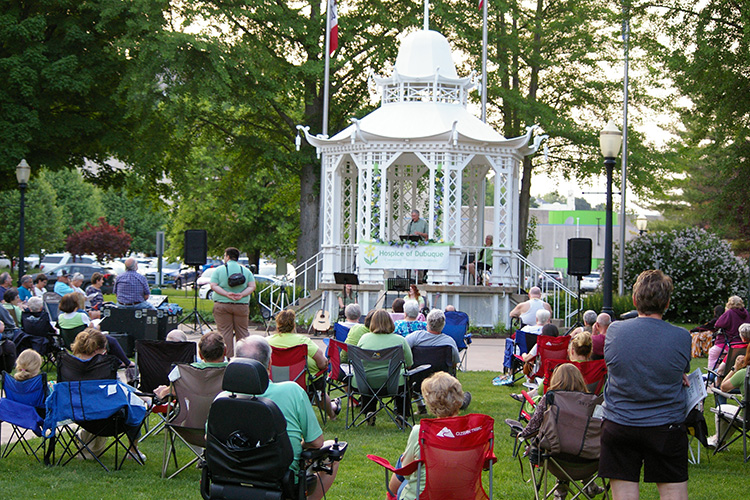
(72, 319)
(90, 347)
(36, 323)
(356, 332)
(301, 423)
(565, 378)
(725, 413)
(599, 335)
(381, 336)
(397, 309)
(542, 319)
(212, 352)
(8, 332)
(352, 313)
(444, 396)
(579, 348)
(317, 363)
(410, 323)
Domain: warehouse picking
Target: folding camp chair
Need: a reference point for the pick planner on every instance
(194, 390)
(339, 374)
(340, 332)
(594, 375)
(438, 358)
(550, 348)
(457, 327)
(566, 446)
(22, 406)
(388, 392)
(736, 421)
(248, 452)
(453, 452)
(89, 394)
(153, 362)
(520, 343)
(69, 334)
(51, 304)
(730, 353)
(290, 364)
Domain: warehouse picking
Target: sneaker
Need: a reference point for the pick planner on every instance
(593, 490)
(336, 406)
(713, 441)
(140, 454)
(371, 419)
(518, 397)
(561, 491)
(467, 400)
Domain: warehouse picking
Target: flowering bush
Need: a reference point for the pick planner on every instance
(703, 268)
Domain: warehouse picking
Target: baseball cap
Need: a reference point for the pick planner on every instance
(62, 272)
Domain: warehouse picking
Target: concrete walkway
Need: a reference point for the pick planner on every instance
(483, 354)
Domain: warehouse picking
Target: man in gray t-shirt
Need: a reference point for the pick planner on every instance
(434, 335)
(644, 399)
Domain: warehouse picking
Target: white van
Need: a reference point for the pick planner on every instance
(54, 260)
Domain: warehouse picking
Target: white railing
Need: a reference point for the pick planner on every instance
(289, 290)
(563, 300)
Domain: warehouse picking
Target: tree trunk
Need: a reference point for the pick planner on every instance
(309, 204)
(523, 205)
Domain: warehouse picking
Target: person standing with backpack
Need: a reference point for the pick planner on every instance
(232, 284)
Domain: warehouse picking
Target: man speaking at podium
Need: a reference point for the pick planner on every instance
(417, 226)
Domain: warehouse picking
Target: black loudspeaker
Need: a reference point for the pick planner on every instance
(579, 256)
(196, 247)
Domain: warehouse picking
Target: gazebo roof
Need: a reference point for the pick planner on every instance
(424, 100)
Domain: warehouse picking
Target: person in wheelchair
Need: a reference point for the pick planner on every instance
(301, 424)
(444, 396)
(565, 377)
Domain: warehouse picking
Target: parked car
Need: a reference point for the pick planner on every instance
(205, 291)
(87, 270)
(170, 273)
(54, 260)
(590, 283)
(548, 278)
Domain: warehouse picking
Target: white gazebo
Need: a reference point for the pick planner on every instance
(422, 149)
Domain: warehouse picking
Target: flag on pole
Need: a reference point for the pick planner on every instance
(481, 4)
(334, 26)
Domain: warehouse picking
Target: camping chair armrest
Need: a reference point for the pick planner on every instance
(489, 459)
(418, 369)
(406, 470)
(714, 372)
(728, 395)
(515, 426)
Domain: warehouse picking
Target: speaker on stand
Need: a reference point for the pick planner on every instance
(579, 265)
(196, 252)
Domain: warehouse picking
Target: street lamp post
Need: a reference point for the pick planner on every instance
(609, 141)
(23, 172)
(641, 223)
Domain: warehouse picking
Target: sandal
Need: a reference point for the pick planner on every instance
(336, 406)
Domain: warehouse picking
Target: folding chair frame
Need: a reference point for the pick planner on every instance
(739, 421)
(18, 433)
(542, 481)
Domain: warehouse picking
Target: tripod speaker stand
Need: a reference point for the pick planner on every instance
(197, 320)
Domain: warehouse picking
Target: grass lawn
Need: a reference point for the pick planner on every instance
(22, 478)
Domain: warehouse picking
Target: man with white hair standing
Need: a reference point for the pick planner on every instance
(526, 311)
(131, 288)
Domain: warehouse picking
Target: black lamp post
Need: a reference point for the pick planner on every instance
(610, 139)
(23, 172)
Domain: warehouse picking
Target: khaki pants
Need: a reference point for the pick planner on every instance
(231, 321)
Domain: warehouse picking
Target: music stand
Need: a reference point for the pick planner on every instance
(346, 279)
(410, 237)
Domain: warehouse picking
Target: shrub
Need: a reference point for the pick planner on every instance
(620, 303)
(704, 269)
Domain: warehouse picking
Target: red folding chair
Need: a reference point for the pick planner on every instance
(290, 364)
(594, 373)
(550, 348)
(453, 452)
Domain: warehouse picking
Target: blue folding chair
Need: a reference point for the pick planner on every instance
(23, 408)
(457, 326)
(340, 332)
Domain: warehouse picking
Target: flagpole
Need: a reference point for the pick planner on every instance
(326, 81)
(626, 43)
(484, 61)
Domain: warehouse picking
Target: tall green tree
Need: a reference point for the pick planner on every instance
(142, 217)
(248, 79)
(62, 62)
(80, 201)
(707, 56)
(43, 220)
(555, 63)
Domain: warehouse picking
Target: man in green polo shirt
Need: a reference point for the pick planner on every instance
(231, 309)
(417, 226)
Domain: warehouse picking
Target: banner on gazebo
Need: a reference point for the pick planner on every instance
(374, 255)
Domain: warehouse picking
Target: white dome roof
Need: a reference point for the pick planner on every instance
(424, 52)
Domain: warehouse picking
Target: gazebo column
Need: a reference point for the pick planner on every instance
(331, 218)
(365, 230)
(451, 230)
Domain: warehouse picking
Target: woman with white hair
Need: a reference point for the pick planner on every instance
(410, 323)
(35, 322)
